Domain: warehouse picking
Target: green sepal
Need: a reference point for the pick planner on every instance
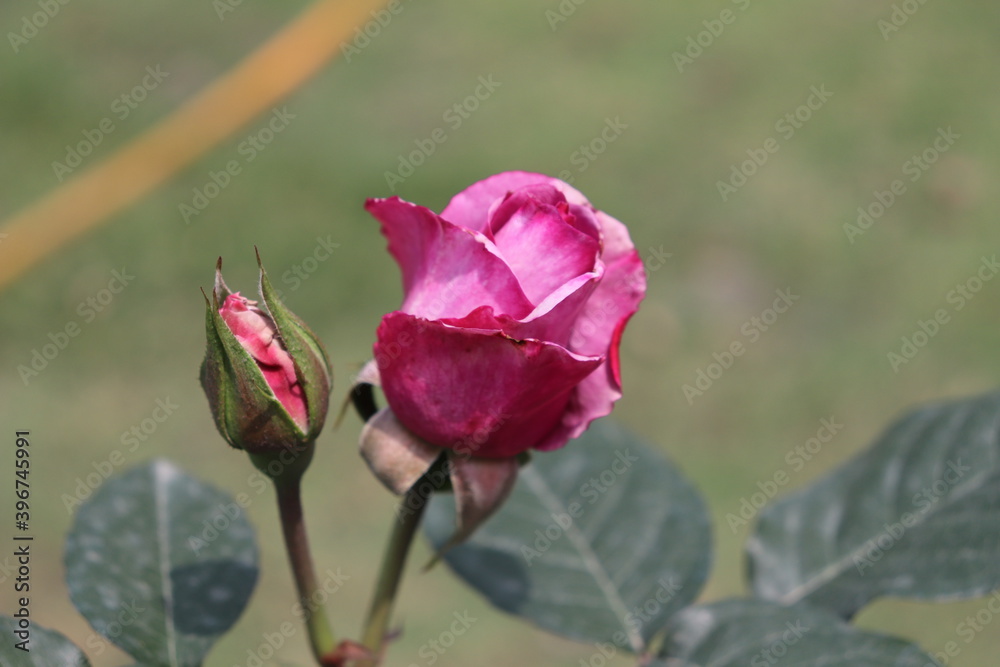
(312, 365)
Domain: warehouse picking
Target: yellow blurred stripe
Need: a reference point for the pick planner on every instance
(253, 86)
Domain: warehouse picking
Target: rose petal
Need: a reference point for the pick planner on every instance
(592, 399)
(503, 208)
(616, 297)
(584, 218)
(471, 206)
(256, 333)
(447, 271)
(540, 246)
(253, 329)
(551, 321)
(617, 242)
(604, 318)
(481, 393)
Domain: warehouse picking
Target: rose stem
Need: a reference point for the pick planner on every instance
(411, 509)
(293, 527)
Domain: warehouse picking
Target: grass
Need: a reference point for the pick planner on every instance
(783, 229)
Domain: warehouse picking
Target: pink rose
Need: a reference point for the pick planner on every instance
(516, 297)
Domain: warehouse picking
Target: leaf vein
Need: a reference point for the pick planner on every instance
(594, 566)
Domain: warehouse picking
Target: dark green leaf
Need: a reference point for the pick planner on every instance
(161, 564)
(600, 541)
(757, 633)
(917, 515)
(46, 648)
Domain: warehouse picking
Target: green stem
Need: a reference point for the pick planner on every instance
(321, 638)
(411, 509)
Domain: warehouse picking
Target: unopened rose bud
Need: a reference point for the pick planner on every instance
(266, 375)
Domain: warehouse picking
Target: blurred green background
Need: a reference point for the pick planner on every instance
(560, 83)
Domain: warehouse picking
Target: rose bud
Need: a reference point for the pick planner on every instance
(266, 375)
(515, 300)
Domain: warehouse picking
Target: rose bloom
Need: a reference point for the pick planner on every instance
(516, 297)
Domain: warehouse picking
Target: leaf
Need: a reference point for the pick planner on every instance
(917, 515)
(600, 541)
(46, 648)
(737, 633)
(161, 564)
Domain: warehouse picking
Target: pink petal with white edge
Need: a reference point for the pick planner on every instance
(447, 270)
(480, 393)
